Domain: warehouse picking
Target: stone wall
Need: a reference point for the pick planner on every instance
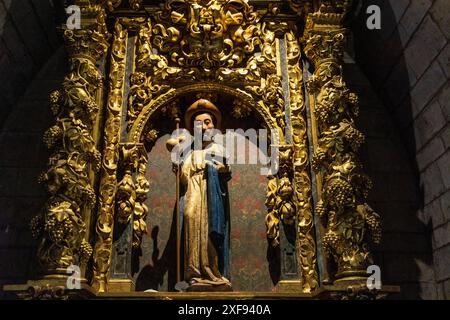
(404, 255)
(407, 62)
(23, 156)
(27, 38)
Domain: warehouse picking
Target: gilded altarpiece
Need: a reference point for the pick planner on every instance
(274, 65)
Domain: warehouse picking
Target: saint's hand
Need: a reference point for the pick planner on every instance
(220, 166)
(172, 142)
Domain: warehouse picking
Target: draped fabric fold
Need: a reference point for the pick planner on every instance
(219, 218)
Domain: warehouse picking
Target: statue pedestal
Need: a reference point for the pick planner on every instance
(204, 287)
(288, 286)
(120, 285)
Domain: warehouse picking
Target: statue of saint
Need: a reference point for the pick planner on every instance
(204, 203)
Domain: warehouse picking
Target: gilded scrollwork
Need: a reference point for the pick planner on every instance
(108, 182)
(126, 197)
(146, 80)
(306, 244)
(206, 34)
(285, 194)
(138, 97)
(146, 59)
(263, 80)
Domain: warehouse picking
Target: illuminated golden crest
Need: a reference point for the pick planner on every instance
(206, 33)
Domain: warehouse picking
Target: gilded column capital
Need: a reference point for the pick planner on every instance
(324, 32)
(91, 40)
(87, 43)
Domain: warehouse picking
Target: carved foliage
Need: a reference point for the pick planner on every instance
(140, 209)
(132, 191)
(261, 72)
(280, 196)
(349, 222)
(272, 217)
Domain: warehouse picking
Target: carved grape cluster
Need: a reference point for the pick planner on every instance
(374, 224)
(90, 107)
(355, 137)
(323, 111)
(368, 185)
(318, 159)
(52, 135)
(42, 178)
(58, 230)
(330, 241)
(320, 209)
(354, 103)
(89, 196)
(55, 100)
(36, 226)
(339, 191)
(94, 157)
(85, 250)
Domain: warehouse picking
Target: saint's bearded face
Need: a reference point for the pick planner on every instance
(204, 120)
(205, 123)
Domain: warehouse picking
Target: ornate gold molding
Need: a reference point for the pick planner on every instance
(206, 34)
(306, 243)
(272, 217)
(108, 182)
